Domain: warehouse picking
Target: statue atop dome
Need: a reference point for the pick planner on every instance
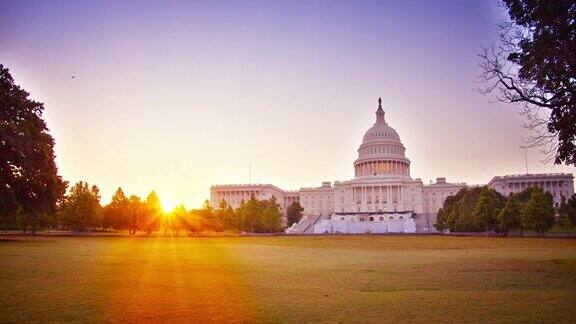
(380, 112)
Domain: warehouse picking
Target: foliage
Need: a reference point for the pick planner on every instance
(259, 216)
(294, 213)
(487, 209)
(152, 213)
(509, 218)
(81, 209)
(483, 209)
(117, 211)
(136, 214)
(30, 186)
(178, 219)
(567, 213)
(225, 215)
(538, 211)
(457, 213)
(534, 65)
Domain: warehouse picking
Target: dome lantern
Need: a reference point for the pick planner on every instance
(380, 113)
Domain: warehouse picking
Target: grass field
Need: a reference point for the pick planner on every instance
(288, 279)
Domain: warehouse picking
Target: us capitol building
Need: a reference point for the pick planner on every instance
(382, 197)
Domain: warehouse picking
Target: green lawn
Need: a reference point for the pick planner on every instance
(288, 279)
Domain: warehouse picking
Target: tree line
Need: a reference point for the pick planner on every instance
(485, 210)
(81, 210)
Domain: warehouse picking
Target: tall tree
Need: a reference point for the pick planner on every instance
(136, 214)
(487, 209)
(116, 213)
(567, 213)
(538, 212)
(225, 216)
(271, 219)
(509, 218)
(179, 219)
(81, 208)
(29, 180)
(534, 65)
(294, 213)
(153, 213)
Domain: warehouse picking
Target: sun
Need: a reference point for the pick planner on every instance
(168, 205)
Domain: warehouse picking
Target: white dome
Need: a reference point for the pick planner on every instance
(380, 131)
(381, 152)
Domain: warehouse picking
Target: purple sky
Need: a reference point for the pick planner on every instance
(176, 96)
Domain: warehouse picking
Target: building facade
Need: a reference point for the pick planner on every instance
(382, 197)
(557, 184)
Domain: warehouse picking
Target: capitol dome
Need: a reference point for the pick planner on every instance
(381, 152)
(380, 131)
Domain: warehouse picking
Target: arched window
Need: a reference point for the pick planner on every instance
(371, 219)
(401, 217)
(352, 218)
(391, 217)
(381, 218)
(361, 219)
(342, 218)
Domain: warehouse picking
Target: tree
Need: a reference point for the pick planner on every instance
(271, 216)
(136, 214)
(449, 216)
(463, 216)
(81, 209)
(8, 208)
(538, 212)
(248, 214)
(29, 181)
(487, 209)
(152, 213)
(509, 218)
(294, 213)
(117, 211)
(567, 213)
(225, 216)
(179, 219)
(534, 65)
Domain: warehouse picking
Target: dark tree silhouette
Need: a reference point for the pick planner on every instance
(534, 65)
(294, 213)
(29, 182)
(81, 209)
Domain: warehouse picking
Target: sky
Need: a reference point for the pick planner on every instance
(176, 96)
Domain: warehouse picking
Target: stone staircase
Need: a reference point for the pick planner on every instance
(304, 226)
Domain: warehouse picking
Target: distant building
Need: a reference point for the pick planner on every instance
(234, 194)
(382, 197)
(557, 184)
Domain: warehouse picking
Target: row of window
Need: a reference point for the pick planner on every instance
(370, 219)
(381, 167)
(381, 150)
(527, 184)
(239, 193)
(377, 135)
(441, 192)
